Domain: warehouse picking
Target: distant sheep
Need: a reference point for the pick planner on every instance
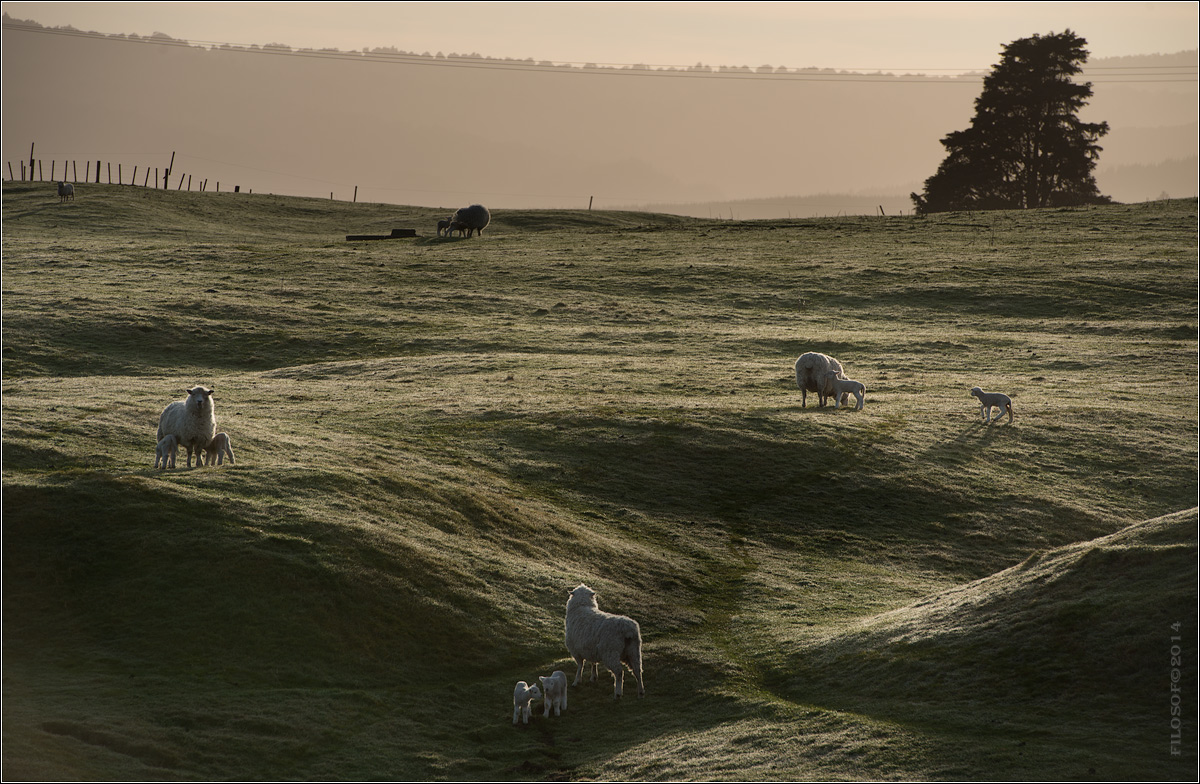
(192, 421)
(554, 687)
(594, 635)
(216, 450)
(523, 697)
(475, 218)
(839, 387)
(66, 192)
(988, 400)
(444, 226)
(810, 370)
(164, 453)
(458, 226)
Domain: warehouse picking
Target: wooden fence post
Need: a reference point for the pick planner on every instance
(41, 176)
(133, 179)
(355, 194)
(146, 180)
(75, 171)
(10, 171)
(179, 187)
(97, 172)
(52, 177)
(110, 172)
(31, 161)
(189, 183)
(120, 179)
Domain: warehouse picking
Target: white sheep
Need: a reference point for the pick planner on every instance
(217, 449)
(597, 636)
(810, 369)
(66, 192)
(838, 387)
(474, 218)
(523, 697)
(988, 400)
(164, 453)
(554, 687)
(192, 422)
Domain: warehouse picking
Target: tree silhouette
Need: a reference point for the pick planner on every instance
(1025, 146)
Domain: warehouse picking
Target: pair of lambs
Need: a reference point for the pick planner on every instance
(192, 424)
(816, 372)
(591, 635)
(554, 687)
(466, 221)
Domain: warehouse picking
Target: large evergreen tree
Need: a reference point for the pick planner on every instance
(1025, 147)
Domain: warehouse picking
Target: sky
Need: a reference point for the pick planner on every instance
(898, 36)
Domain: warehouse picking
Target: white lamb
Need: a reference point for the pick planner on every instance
(217, 449)
(810, 369)
(66, 192)
(523, 697)
(594, 635)
(192, 422)
(988, 400)
(164, 453)
(838, 386)
(554, 687)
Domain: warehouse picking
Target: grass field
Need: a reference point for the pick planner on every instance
(437, 439)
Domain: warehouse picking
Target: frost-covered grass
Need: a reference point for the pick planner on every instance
(437, 439)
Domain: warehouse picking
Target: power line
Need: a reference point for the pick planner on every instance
(960, 76)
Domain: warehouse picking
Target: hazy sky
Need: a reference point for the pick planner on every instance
(887, 36)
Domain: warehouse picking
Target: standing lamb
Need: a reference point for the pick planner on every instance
(474, 218)
(164, 453)
(191, 421)
(554, 687)
(837, 386)
(989, 399)
(217, 449)
(66, 192)
(444, 226)
(594, 635)
(810, 370)
(523, 697)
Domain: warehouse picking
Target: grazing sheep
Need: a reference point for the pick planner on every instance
(989, 399)
(594, 635)
(554, 687)
(458, 226)
(164, 453)
(191, 421)
(444, 226)
(810, 369)
(217, 449)
(839, 387)
(474, 218)
(66, 192)
(523, 697)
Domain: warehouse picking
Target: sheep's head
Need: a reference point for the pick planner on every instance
(582, 595)
(201, 395)
(976, 392)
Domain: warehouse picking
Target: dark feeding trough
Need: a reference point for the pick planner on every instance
(395, 235)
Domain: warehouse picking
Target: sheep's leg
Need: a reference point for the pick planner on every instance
(618, 679)
(579, 663)
(516, 713)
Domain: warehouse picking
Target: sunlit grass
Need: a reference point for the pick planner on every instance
(437, 439)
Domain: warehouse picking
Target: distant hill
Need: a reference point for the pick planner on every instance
(448, 129)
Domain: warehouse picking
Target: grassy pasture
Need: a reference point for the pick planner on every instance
(437, 438)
